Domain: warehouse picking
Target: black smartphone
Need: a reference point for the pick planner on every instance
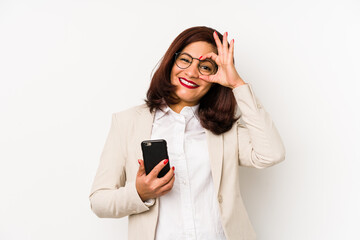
(154, 151)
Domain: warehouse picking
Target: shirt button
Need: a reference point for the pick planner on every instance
(220, 199)
(258, 105)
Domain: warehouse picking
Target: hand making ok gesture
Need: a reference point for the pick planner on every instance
(226, 74)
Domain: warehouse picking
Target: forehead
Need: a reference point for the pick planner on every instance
(197, 49)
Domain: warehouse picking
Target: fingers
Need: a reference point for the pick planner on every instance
(231, 50)
(218, 43)
(168, 186)
(168, 176)
(209, 79)
(225, 50)
(155, 171)
(225, 44)
(205, 78)
(150, 186)
(217, 60)
(165, 184)
(212, 56)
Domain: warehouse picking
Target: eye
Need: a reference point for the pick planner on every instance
(186, 60)
(205, 68)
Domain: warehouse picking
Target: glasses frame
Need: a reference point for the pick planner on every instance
(177, 54)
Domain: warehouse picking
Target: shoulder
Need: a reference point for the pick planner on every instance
(132, 112)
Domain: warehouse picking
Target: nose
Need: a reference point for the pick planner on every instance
(192, 70)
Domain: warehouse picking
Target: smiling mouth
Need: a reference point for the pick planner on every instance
(188, 83)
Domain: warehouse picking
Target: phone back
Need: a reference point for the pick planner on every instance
(154, 151)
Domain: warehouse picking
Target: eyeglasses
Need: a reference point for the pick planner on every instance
(205, 67)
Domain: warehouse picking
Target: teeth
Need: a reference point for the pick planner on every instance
(187, 83)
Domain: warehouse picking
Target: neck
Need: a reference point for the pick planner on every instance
(178, 107)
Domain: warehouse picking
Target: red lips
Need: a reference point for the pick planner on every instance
(188, 86)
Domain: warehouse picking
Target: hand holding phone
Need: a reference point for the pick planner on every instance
(149, 184)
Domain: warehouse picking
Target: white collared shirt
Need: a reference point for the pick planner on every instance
(189, 210)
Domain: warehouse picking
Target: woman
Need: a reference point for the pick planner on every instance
(212, 123)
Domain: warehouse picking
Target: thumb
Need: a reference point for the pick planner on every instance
(209, 79)
(205, 78)
(141, 170)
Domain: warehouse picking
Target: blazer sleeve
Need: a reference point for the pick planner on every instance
(111, 195)
(259, 142)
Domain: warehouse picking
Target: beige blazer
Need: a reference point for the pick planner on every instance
(253, 141)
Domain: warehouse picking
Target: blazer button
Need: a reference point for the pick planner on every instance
(220, 199)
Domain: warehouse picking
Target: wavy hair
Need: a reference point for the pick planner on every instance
(217, 106)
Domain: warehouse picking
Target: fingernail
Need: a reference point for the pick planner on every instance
(200, 57)
(233, 40)
(226, 33)
(216, 33)
(173, 168)
(138, 161)
(166, 161)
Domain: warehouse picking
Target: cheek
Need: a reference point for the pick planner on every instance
(174, 72)
(207, 88)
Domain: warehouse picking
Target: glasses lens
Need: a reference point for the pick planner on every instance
(207, 67)
(183, 60)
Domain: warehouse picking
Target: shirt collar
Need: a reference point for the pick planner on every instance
(193, 111)
(162, 112)
(166, 109)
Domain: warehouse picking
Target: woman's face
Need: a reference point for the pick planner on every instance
(189, 87)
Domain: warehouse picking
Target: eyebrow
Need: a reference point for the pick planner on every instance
(190, 55)
(206, 59)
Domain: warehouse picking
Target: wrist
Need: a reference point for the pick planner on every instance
(238, 83)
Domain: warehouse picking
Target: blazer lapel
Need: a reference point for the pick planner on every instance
(144, 123)
(215, 145)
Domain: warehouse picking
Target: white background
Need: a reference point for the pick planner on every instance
(66, 66)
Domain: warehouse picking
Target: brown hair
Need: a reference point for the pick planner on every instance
(217, 106)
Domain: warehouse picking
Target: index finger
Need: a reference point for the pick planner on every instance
(156, 170)
(218, 43)
(167, 177)
(213, 56)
